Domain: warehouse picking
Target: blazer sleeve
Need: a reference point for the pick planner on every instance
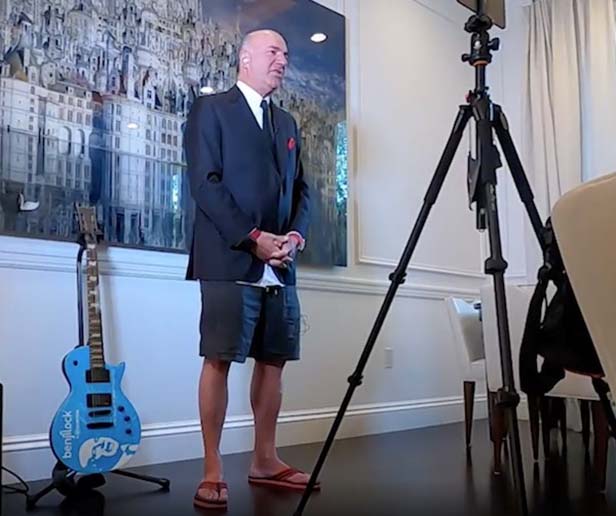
(203, 147)
(300, 215)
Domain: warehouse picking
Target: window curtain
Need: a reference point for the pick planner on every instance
(570, 104)
(570, 95)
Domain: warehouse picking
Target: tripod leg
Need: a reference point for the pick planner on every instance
(508, 398)
(501, 128)
(162, 482)
(62, 479)
(396, 278)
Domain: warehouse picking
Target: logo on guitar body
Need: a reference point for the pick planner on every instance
(68, 434)
(105, 447)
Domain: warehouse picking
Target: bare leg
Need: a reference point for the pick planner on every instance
(266, 398)
(213, 396)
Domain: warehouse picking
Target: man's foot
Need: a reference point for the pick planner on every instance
(212, 491)
(211, 495)
(276, 473)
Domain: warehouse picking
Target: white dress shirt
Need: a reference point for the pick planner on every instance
(254, 102)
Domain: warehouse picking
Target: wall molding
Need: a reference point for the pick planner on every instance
(31, 457)
(449, 271)
(379, 287)
(354, 118)
(41, 441)
(351, 10)
(50, 256)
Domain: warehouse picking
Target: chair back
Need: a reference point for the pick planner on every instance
(466, 327)
(584, 222)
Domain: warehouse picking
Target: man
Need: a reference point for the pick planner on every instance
(252, 210)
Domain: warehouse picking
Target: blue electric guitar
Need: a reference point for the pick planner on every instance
(96, 429)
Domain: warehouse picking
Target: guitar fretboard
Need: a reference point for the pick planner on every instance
(95, 327)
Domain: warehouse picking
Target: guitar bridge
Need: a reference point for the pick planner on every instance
(98, 426)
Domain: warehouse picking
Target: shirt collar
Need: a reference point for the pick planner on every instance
(252, 96)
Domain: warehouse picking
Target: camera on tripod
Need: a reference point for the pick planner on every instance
(493, 9)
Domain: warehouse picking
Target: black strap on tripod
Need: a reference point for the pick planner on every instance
(533, 382)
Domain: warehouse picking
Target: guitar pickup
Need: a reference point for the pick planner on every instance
(97, 375)
(99, 400)
(99, 413)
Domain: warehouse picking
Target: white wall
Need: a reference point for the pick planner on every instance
(405, 82)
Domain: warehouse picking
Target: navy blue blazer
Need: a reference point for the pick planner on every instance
(238, 184)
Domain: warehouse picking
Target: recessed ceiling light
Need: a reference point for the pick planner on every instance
(132, 125)
(318, 37)
(206, 90)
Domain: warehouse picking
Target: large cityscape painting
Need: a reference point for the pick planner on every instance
(94, 95)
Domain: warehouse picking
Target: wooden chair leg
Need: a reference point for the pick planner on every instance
(469, 404)
(533, 413)
(491, 418)
(545, 407)
(585, 416)
(560, 409)
(498, 431)
(600, 426)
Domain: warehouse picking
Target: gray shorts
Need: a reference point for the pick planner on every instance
(239, 321)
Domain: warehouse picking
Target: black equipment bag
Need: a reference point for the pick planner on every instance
(558, 334)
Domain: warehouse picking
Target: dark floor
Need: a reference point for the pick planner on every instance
(419, 472)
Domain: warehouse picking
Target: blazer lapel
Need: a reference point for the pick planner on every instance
(280, 135)
(243, 111)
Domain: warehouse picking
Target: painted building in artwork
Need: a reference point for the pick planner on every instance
(144, 168)
(44, 135)
(93, 99)
(144, 64)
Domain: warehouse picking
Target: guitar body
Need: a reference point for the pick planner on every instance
(96, 429)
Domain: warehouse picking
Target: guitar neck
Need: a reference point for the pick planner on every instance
(95, 327)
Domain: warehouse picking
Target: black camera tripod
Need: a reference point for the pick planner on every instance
(481, 180)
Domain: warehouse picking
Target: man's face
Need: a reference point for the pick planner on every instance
(268, 56)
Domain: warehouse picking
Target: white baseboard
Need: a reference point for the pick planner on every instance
(30, 456)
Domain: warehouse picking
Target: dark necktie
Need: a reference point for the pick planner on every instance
(267, 121)
(268, 129)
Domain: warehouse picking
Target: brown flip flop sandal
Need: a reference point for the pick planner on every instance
(281, 480)
(204, 503)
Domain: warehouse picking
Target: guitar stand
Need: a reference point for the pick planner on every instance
(63, 479)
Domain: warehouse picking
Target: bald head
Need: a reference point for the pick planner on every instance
(254, 37)
(263, 59)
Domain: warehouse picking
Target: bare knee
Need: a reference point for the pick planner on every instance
(267, 364)
(220, 367)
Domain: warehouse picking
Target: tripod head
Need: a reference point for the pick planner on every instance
(481, 44)
(482, 47)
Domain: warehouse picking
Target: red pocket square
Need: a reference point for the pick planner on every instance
(291, 144)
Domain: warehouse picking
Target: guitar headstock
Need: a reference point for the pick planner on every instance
(88, 225)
